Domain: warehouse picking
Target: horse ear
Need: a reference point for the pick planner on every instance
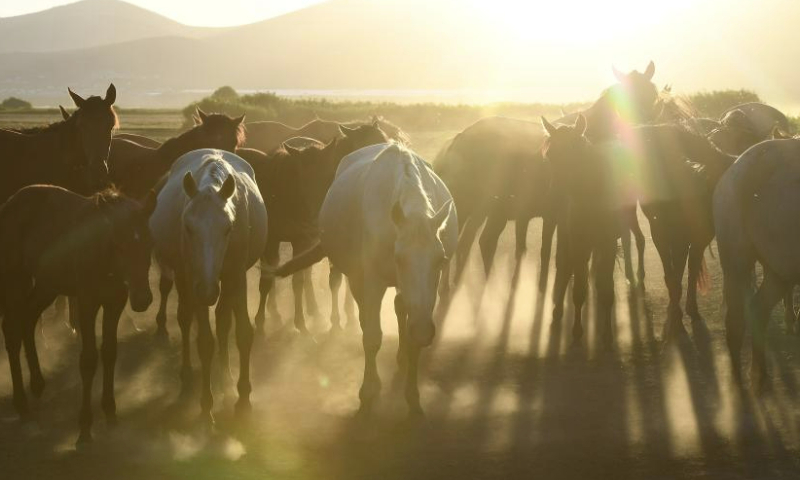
(149, 205)
(580, 124)
(398, 217)
(189, 185)
(201, 115)
(651, 70)
(238, 120)
(778, 134)
(79, 101)
(111, 95)
(228, 188)
(549, 127)
(64, 113)
(346, 131)
(444, 215)
(621, 77)
(376, 121)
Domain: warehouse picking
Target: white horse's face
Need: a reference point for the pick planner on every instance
(419, 257)
(207, 225)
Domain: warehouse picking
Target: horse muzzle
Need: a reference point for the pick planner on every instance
(141, 300)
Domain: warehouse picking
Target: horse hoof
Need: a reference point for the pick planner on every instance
(37, 387)
(84, 439)
(161, 337)
(242, 409)
(577, 333)
(206, 421)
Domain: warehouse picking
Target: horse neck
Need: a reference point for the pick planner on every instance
(176, 147)
(601, 119)
(702, 151)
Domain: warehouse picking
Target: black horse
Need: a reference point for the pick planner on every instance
(97, 249)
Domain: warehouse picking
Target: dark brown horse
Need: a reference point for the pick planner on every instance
(744, 125)
(56, 242)
(294, 183)
(669, 171)
(136, 168)
(268, 136)
(71, 153)
(496, 172)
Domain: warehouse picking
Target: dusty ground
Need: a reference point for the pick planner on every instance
(505, 394)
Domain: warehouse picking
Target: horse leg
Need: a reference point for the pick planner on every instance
(603, 265)
(662, 241)
(334, 283)
(548, 229)
(312, 306)
(768, 294)
(265, 286)
(402, 331)
(521, 237)
(580, 255)
(736, 287)
(349, 304)
(789, 314)
(466, 238)
(38, 303)
(640, 246)
(88, 308)
(412, 385)
(224, 317)
(165, 283)
(626, 252)
(369, 309)
(12, 332)
(205, 350)
(488, 241)
(564, 265)
(185, 317)
(112, 309)
(297, 290)
(244, 342)
(695, 271)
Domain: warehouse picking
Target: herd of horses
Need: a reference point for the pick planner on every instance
(86, 209)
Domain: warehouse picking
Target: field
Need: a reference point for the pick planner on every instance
(505, 393)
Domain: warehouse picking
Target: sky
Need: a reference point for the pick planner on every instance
(190, 12)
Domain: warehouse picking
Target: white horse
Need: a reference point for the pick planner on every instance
(209, 228)
(757, 218)
(387, 221)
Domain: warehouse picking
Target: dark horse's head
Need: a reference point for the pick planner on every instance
(316, 166)
(635, 97)
(130, 240)
(215, 130)
(566, 147)
(92, 123)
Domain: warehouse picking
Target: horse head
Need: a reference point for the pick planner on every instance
(219, 131)
(131, 242)
(93, 121)
(207, 223)
(635, 97)
(419, 257)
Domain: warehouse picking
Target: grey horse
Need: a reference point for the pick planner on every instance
(209, 228)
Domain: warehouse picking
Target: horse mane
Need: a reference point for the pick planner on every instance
(409, 192)
(676, 108)
(109, 196)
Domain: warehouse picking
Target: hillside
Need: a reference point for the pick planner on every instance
(86, 24)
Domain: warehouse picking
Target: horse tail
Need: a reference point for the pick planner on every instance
(302, 261)
(703, 280)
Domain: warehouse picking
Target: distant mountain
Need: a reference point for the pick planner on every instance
(88, 23)
(388, 45)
